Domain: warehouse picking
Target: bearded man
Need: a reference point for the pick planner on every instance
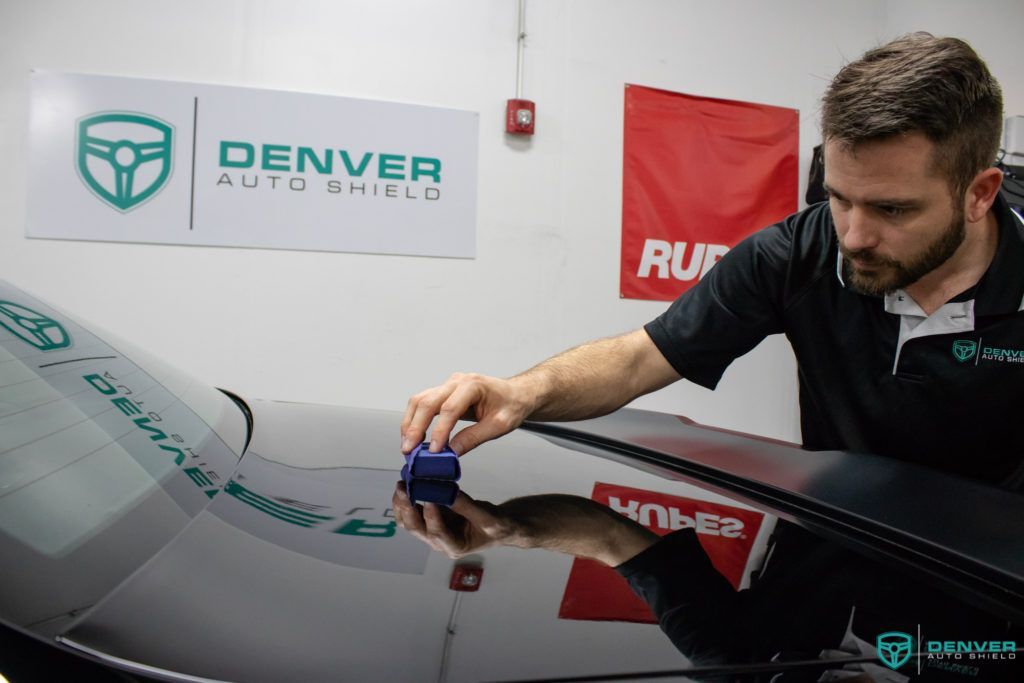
(901, 295)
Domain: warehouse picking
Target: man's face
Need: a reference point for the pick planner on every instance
(895, 217)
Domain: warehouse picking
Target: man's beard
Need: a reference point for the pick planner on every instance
(888, 274)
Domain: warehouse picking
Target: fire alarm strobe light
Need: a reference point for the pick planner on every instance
(466, 578)
(520, 116)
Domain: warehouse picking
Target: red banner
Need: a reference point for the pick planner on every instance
(698, 175)
(597, 592)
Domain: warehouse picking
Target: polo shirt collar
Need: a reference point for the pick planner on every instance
(1001, 288)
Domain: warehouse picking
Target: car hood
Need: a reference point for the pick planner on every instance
(296, 571)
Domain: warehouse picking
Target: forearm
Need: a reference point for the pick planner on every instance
(575, 526)
(595, 378)
(590, 380)
(695, 605)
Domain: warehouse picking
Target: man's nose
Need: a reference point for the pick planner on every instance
(861, 232)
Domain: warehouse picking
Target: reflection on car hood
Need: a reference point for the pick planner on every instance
(297, 571)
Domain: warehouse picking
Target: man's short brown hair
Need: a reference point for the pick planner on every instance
(937, 86)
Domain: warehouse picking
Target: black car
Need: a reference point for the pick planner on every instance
(154, 528)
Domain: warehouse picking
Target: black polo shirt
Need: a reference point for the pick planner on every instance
(876, 375)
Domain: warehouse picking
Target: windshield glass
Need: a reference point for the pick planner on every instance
(88, 435)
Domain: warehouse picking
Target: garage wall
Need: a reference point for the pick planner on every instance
(338, 328)
(992, 27)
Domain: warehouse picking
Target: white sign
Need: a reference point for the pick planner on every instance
(136, 160)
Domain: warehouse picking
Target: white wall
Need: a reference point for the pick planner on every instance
(992, 27)
(546, 273)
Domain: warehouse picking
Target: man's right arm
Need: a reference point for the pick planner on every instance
(587, 381)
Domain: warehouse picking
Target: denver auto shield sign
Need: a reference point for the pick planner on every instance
(134, 160)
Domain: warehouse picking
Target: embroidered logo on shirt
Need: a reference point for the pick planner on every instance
(1002, 355)
(964, 349)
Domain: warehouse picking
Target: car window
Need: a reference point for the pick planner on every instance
(96, 450)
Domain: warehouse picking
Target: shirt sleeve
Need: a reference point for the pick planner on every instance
(694, 604)
(731, 310)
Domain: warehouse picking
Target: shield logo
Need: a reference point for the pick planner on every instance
(124, 158)
(964, 349)
(895, 648)
(46, 334)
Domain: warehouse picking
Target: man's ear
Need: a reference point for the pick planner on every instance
(982, 193)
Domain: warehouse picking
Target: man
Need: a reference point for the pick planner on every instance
(902, 300)
(901, 296)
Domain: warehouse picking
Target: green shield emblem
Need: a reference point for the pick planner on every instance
(964, 349)
(124, 158)
(32, 327)
(895, 648)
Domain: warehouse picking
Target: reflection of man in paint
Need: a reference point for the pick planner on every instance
(812, 597)
(914, 251)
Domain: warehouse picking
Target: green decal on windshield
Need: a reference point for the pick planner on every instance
(285, 513)
(360, 527)
(32, 327)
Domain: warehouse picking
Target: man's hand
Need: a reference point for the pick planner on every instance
(498, 405)
(563, 523)
(587, 381)
(467, 527)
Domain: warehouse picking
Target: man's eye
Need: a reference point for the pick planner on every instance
(892, 211)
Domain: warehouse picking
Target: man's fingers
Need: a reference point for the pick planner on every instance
(434, 522)
(427, 406)
(407, 514)
(485, 399)
(424, 406)
(410, 410)
(475, 513)
(453, 408)
(443, 537)
(486, 429)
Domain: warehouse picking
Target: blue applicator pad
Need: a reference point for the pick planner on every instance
(424, 464)
(439, 491)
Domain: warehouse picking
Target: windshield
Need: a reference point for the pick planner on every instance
(90, 432)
